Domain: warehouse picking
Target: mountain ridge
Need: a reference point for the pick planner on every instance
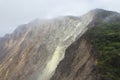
(36, 49)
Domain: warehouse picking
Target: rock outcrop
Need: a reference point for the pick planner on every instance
(55, 49)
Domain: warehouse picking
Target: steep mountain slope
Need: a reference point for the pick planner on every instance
(79, 62)
(106, 40)
(56, 49)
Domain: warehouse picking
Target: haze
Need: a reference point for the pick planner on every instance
(16, 12)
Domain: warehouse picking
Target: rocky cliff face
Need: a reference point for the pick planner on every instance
(52, 49)
(79, 62)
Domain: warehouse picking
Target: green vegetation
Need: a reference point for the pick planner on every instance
(106, 39)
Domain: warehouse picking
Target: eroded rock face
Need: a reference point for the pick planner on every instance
(50, 49)
(79, 62)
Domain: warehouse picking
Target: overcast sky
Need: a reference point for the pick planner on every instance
(17, 12)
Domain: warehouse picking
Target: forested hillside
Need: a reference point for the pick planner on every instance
(106, 39)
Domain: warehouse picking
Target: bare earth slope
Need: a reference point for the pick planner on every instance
(51, 49)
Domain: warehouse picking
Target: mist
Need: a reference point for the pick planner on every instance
(16, 12)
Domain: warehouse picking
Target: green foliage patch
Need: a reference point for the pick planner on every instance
(106, 39)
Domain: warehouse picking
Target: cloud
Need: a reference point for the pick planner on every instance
(16, 12)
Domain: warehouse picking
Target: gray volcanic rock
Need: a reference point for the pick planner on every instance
(44, 50)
